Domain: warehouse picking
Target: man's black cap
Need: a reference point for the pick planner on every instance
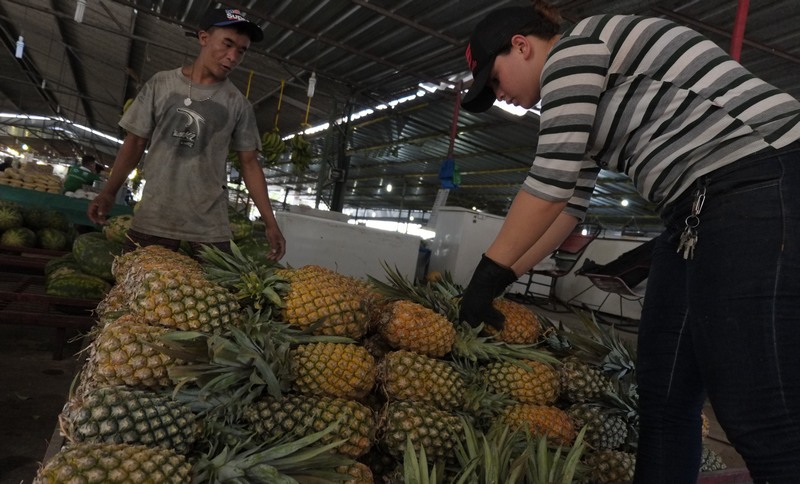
(231, 17)
(490, 37)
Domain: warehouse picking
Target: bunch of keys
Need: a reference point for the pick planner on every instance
(689, 235)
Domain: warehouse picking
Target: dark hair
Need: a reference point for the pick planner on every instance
(546, 23)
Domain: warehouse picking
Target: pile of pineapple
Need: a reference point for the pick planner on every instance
(225, 369)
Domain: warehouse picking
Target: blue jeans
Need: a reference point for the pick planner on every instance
(726, 325)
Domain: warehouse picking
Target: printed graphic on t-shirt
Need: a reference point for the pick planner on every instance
(190, 132)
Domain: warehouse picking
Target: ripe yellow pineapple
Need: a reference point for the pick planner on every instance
(168, 289)
(538, 384)
(120, 355)
(553, 422)
(115, 463)
(321, 296)
(411, 326)
(333, 369)
(521, 325)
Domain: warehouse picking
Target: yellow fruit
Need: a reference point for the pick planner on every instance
(411, 326)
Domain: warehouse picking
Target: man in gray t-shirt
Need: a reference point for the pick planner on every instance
(189, 119)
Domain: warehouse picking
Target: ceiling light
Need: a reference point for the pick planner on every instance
(410, 218)
(79, 10)
(388, 187)
(624, 202)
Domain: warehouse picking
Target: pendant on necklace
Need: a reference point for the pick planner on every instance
(187, 101)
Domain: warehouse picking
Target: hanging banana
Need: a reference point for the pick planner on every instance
(301, 154)
(272, 146)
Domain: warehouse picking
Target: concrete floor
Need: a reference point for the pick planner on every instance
(34, 387)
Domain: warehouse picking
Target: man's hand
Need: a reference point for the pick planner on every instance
(488, 281)
(99, 208)
(277, 244)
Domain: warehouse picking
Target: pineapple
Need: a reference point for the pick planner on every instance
(170, 290)
(359, 473)
(611, 466)
(521, 325)
(423, 425)
(115, 463)
(529, 382)
(122, 354)
(333, 369)
(550, 421)
(582, 382)
(411, 326)
(605, 429)
(327, 302)
(301, 415)
(711, 461)
(409, 376)
(121, 416)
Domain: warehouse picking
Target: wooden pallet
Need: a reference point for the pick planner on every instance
(24, 299)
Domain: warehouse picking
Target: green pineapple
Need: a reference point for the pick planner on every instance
(711, 461)
(409, 376)
(123, 416)
(423, 425)
(605, 428)
(300, 415)
(582, 382)
(611, 466)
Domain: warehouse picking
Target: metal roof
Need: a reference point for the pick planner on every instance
(365, 53)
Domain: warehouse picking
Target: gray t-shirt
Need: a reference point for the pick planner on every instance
(185, 195)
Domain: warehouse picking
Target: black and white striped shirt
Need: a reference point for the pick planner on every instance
(651, 99)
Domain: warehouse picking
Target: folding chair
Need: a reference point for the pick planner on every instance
(622, 276)
(564, 260)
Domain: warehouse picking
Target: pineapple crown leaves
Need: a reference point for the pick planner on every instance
(551, 466)
(218, 364)
(250, 281)
(499, 455)
(416, 469)
(284, 460)
(471, 345)
(433, 296)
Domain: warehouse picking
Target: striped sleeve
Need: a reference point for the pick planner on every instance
(573, 79)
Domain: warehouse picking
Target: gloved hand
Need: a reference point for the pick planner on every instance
(488, 282)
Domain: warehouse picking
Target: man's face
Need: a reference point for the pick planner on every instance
(222, 49)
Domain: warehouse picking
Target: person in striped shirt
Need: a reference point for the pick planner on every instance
(716, 150)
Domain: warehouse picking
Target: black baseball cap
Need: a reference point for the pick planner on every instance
(231, 17)
(490, 37)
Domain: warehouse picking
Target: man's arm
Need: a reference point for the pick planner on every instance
(547, 243)
(127, 158)
(257, 186)
(527, 221)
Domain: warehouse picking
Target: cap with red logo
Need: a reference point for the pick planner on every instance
(492, 36)
(231, 17)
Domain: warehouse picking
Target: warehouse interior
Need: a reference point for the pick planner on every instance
(375, 86)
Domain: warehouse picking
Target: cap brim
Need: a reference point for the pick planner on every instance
(253, 31)
(480, 97)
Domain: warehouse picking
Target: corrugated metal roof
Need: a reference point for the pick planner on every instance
(364, 53)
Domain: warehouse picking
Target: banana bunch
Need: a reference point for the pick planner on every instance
(272, 146)
(301, 154)
(43, 182)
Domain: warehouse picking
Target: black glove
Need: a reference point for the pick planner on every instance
(488, 281)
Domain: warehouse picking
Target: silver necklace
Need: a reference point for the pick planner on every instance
(188, 101)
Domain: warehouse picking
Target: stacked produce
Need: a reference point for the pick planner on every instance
(34, 227)
(31, 179)
(232, 367)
